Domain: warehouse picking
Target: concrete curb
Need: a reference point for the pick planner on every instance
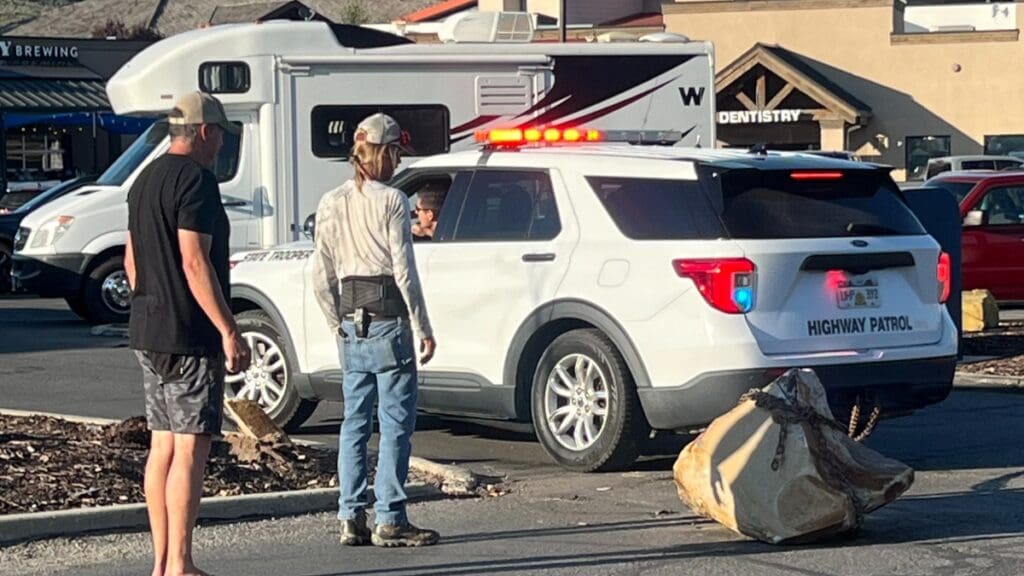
(16, 528)
(987, 381)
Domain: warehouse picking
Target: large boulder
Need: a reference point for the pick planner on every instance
(779, 468)
(980, 311)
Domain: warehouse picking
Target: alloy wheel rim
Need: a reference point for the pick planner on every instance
(266, 379)
(576, 402)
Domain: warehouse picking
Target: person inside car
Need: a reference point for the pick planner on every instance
(428, 207)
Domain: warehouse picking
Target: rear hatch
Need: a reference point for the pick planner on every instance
(842, 263)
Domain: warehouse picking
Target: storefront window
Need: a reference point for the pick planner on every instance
(1005, 145)
(920, 149)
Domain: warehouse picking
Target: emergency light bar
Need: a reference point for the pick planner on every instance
(515, 137)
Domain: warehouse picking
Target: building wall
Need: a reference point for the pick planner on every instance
(965, 85)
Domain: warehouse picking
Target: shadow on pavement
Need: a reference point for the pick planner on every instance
(46, 325)
(962, 517)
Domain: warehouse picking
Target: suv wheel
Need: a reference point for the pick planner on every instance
(5, 268)
(77, 306)
(585, 410)
(268, 380)
(107, 297)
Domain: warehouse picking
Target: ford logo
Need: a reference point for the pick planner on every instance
(859, 243)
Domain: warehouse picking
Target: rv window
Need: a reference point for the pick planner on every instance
(224, 77)
(333, 127)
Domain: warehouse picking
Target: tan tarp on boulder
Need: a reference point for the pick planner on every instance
(812, 481)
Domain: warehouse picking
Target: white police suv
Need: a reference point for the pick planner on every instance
(604, 290)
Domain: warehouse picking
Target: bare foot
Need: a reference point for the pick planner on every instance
(158, 571)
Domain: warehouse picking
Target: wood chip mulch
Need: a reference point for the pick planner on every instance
(52, 464)
(1005, 342)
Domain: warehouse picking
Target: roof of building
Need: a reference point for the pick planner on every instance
(49, 94)
(439, 10)
(815, 72)
(640, 20)
(170, 17)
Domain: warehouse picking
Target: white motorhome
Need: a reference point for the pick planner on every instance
(299, 88)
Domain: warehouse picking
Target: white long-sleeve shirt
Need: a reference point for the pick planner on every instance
(366, 232)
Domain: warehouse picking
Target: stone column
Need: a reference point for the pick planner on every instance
(833, 134)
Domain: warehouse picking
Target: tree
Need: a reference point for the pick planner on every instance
(354, 13)
(118, 29)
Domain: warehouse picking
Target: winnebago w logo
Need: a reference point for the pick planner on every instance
(692, 96)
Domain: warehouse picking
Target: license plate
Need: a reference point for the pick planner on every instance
(862, 294)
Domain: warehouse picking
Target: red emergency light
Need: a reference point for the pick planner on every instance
(512, 137)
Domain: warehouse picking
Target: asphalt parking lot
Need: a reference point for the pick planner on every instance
(963, 515)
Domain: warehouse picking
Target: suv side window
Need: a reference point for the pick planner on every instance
(654, 209)
(1003, 206)
(1007, 165)
(977, 165)
(508, 205)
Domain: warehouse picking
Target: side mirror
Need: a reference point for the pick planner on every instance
(309, 227)
(974, 218)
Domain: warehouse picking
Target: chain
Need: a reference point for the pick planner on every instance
(855, 419)
(832, 471)
(870, 426)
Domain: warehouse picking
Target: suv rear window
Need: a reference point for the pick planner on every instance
(760, 204)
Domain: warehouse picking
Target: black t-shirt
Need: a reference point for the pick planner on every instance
(174, 192)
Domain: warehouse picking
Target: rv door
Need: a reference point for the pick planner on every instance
(243, 199)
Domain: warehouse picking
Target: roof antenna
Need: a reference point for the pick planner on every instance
(697, 144)
(760, 148)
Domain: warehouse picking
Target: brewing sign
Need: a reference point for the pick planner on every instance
(25, 52)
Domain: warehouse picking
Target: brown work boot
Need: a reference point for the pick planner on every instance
(354, 532)
(395, 535)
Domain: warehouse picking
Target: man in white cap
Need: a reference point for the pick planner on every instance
(366, 282)
(181, 327)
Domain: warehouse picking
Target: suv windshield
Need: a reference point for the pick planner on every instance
(131, 158)
(758, 204)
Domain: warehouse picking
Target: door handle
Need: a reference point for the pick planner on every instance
(235, 203)
(541, 257)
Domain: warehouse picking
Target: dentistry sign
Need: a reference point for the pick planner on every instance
(759, 116)
(32, 52)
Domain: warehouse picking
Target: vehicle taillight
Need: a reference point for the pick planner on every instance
(727, 283)
(805, 176)
(944, 273)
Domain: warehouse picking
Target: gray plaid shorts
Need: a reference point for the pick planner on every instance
(184, 394)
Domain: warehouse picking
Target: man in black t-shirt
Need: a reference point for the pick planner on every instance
(181, 327)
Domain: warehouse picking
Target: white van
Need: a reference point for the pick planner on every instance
(299, 88)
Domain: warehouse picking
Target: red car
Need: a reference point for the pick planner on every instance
(992, 208)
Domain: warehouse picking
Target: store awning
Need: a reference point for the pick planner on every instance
(39, 95)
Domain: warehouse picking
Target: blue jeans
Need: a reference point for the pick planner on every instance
(380, 368)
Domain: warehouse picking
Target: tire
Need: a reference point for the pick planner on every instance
(77, 306)
(609, 404)
(5, 267)
(105, 297)
(270, 371)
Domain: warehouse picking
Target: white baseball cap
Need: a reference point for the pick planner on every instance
(202, 108)
(382, 129)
